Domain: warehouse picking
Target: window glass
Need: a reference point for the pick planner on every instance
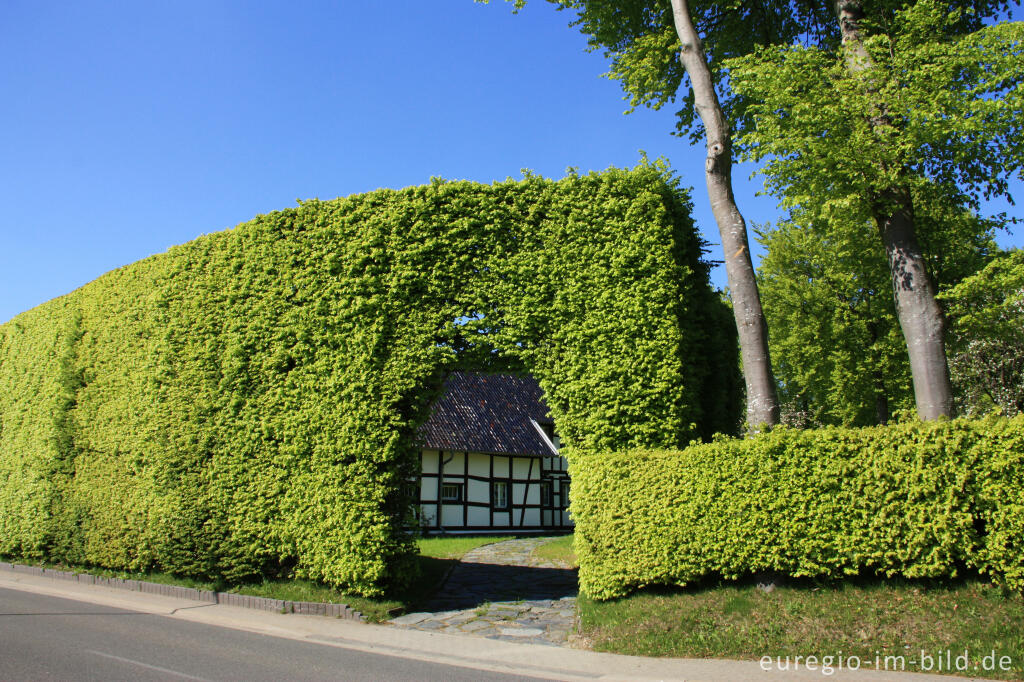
(545, 493)
(499, 494)
(451, 492)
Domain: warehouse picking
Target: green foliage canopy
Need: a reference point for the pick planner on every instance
(246, 404)
(987, 315)
(836, 344)
(639, 39)
(953, 105)
(837, 349)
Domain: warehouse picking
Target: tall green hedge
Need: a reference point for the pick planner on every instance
(245, 403)
(914, 499)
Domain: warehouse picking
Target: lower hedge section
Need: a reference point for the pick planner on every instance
(912, 500)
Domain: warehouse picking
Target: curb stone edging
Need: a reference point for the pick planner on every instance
(190, 593)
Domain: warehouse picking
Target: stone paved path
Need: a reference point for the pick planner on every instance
(501, 591)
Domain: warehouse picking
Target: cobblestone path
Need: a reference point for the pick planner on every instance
(501, 591)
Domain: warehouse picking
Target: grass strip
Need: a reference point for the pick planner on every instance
(870, 619)
(437, 555)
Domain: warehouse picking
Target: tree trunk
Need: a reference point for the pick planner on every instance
(920, 316)
(762, 396)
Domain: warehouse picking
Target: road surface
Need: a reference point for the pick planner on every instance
(49, 638)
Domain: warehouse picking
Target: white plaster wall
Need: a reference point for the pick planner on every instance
(479, 491)
(532, 517)
(452, 515)
(455, 465)
(478, 516)
(429, 461)
(479, 465)
(521, 468)
(532, 493)
(428, 489)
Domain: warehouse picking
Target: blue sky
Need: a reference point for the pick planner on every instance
(128, 127)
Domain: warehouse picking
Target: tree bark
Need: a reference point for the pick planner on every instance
(920, 315)
(762, 395)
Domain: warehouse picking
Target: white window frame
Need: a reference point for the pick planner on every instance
(497, 503)
(455, 486)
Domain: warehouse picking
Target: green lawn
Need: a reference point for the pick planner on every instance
(559, 551)
(861, 618)
(455, 546)
(851, 618)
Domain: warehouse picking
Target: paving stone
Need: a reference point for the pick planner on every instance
(501, 591)
(475, 625)
(489, 631)
(430, 625)
(522, 632)
(411, 618)
(447, 614)
(461, 618)
(500, 613)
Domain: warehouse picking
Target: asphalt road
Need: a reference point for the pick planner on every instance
(47, 638)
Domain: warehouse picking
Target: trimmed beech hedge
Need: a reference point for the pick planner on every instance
(245, 404)
(913, 499)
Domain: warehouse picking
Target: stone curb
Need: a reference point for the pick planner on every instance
(227, 598)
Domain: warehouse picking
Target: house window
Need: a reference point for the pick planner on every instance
(451, 492)
(545, 493)
(563, 493)
(411, 490)
(499, 494)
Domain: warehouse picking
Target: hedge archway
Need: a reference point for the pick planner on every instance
(245, 403)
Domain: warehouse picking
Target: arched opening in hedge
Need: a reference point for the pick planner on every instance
(247, 402)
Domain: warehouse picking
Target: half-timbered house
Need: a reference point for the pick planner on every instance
(490, 459)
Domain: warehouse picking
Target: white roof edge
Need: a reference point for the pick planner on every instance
(544, 436)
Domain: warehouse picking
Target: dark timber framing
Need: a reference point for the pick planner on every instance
(500, 427)
(550, 470)
(526, 495)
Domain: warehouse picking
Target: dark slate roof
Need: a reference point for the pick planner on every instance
(487, 413)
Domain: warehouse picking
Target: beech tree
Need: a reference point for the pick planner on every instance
(656, 46)
(837, 347)
(860, 129)
(987, 314)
